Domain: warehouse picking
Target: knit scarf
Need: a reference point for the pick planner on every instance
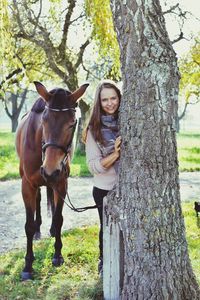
(109, 131)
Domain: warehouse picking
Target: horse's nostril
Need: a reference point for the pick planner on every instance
(49, 177)
(55, 174)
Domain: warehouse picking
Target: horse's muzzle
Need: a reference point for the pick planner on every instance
(53, 177)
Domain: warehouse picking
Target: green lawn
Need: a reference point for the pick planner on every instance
(77, 278)
(188, 152)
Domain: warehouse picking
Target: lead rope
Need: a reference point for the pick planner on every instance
(71, 206)
(79, 209)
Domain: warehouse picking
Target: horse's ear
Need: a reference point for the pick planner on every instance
(79, 92)
(42, 91)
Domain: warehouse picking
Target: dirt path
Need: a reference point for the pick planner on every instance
(12, 214)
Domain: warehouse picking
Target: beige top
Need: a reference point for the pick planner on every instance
(104, 178)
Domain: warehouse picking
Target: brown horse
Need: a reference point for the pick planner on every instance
(43, 143)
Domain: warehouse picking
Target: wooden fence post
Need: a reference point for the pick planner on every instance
(112, 258)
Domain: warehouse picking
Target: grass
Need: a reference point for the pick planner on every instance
(188, 153)
(77, 278)
(78, 166)
(193, 236)
(9, 161)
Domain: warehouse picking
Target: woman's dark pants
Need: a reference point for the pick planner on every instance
(98, 195)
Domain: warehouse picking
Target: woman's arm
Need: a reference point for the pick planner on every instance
(93, 155)
(109, 160)
(96, 162)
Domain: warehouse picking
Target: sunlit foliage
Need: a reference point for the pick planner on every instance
(190, 73)
(100, 16)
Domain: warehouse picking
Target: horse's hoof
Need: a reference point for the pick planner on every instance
(26, 276)
(57, 261)
(37, 236)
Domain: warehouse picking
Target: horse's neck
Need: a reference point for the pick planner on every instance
(38, 127)
(34, 128)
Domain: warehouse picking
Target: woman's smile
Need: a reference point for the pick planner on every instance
(109, 101)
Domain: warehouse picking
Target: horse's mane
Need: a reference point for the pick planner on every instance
(38, 106)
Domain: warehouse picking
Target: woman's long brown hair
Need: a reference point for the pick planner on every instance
(94, 123)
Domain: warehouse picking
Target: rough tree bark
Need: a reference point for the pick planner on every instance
(146, 203)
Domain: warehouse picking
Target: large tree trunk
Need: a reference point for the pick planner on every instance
(146, 203)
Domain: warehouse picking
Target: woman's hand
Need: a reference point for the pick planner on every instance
(109, 160)
(117, 145)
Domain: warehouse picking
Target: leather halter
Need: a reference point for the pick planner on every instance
(66, 149)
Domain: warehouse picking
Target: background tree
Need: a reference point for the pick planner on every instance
(146, 204)
(50, 28)
(22, 64)
(16, 107)
(189, 67)
(10, 66)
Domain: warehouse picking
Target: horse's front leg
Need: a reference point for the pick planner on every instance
(38, 220)
(51, 205)
(57, 223)
(29, 196)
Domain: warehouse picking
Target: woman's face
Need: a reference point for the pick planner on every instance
(109, 101)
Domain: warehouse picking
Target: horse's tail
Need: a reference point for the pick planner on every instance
(50, 202)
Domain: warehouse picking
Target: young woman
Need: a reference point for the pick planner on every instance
(103, 147)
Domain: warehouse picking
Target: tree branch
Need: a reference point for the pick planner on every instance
(46, 43)
(171, 9)
(7, 110)
(35, 18)
(9, 76)
(196, 62)
(81, 52)
(185, 107)
(184, 111)
(89, 72)
(62, 46)
(179, 38)
(76, 19)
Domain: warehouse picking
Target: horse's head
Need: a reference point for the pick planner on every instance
(58, 126)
